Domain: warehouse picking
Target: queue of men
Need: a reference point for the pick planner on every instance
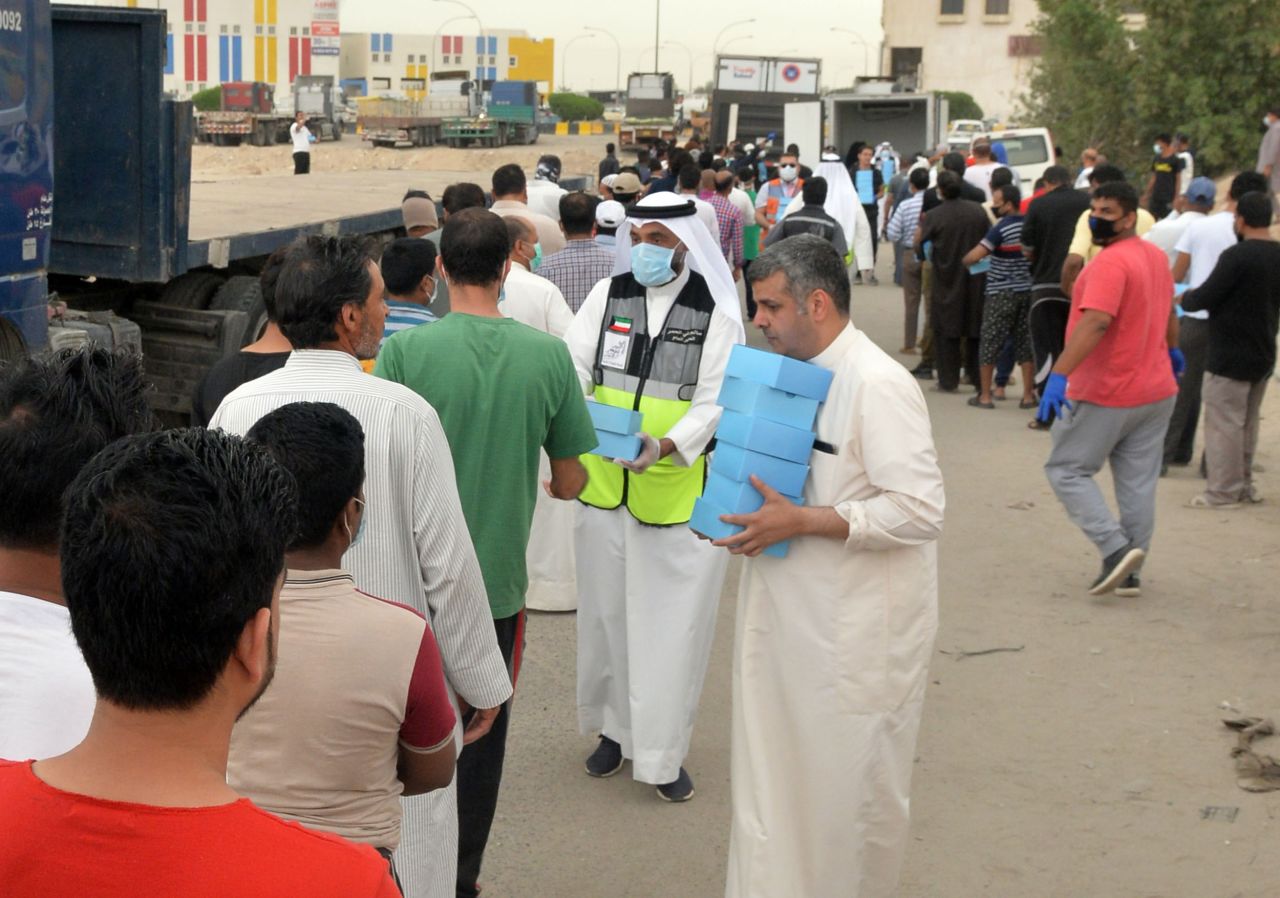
(326, 591)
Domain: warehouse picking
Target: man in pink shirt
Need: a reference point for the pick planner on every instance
(1113, 389)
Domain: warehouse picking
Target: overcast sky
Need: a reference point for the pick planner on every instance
(780, 29)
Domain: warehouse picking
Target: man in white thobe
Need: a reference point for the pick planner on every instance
(654, 337)
(537, 302)
(833, 641)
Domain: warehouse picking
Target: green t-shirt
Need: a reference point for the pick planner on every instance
(751, 233)
(502, 391)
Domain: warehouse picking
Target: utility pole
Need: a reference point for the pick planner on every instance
(657, 16)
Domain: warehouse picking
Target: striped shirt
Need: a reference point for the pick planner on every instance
(906, 218)
(729, 219)
(404, 315)
(416, 550)
(577, 268)
(1010, 269)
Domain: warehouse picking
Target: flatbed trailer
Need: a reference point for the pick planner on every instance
(408, 123)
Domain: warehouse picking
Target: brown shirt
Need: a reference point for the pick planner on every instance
(356, 678)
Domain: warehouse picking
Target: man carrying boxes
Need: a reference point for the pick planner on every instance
(650, 346)
(833, 641)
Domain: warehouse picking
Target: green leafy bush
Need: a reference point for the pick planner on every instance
(208, 100)
(575, 108)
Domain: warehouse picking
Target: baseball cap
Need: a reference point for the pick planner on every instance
(1201, 191)
(627, 184)
(610, 214)
(608, 180)
(418, 212)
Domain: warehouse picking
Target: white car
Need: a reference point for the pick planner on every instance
(1029, 152)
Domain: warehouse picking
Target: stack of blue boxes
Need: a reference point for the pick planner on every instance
(770, 403)
(616, 430)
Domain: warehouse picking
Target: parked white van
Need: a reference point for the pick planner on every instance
(1029, 152)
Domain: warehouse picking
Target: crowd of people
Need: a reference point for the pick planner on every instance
(276, 652)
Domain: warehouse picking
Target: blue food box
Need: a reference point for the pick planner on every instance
(762, 401)
(612, 419)
(706, 520)
(778, 371)
(735, 496)
(981, 266)
(763, 435)
(736, 463)
(617, 445)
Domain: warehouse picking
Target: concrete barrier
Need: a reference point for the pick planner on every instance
(562, 128)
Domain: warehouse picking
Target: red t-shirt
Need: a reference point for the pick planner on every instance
(59, 843)
(1131, 282)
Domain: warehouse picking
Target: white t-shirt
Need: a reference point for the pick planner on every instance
(742, 202)
(1082, 180)
(979, 175)
(1169, 230)
(301, 135)
(46, 694)
(544, 198)
(1188, 171)
(1206, 240)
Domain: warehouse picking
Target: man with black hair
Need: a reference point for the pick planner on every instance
(811, 219)
(1197, 253)
(511, 197)
(953, 162)
(1083, 248)
(609, 164)
(262, 356)
(1243, 298)
(642, 166)
(1115, 380)
(408, 268)
(172, 555)
(456, 197)
(524, 381)
(688, 181)
(952, 229)
(354, 670)
(417, 551)
(56, 412)
(901, 232)
(545, 190)
(1162, 186)
(1046, 237)
(583, 262)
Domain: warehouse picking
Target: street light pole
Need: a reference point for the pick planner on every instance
(435, 41)
(479, 25)
(715, 47)
(657, 39)
(866, 58)
(689, 53)
(617, 80)
(564, 59)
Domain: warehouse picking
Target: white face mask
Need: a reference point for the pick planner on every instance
(1266, 121)
(787, 172)
(1155, 147)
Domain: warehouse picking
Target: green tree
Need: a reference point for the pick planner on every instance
(961, 104)
(574, 107)
(1209, 68)
(1082, 84)
(208, 100)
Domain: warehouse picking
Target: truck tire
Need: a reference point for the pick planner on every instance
(243, 293)
(192, 290)
(258, 137)
(337, 130)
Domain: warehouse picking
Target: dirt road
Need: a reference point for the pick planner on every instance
(1091, 762)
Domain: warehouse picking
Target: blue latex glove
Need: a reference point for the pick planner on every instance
(1179, 362)
(1054, 398)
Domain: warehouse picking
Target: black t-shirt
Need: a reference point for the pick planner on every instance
(1166, 170)
(1048, 228)
(228, 374)
(1242, 296)
(609, 165)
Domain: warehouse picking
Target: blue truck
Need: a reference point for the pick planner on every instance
(102, 234)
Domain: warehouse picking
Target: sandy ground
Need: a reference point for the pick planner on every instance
(1090, 762)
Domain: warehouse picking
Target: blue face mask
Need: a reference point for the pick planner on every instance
(536, 262)
(651, 264)
(355, 538)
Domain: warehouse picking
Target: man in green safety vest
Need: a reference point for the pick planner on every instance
(654, 338)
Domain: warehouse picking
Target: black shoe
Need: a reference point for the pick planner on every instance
(1130, 587)
(1115, 567)
(606, 760)
(681, 789)
(923, 372)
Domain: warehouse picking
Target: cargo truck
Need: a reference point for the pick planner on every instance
(650, 110)
(410, 122)
(107, 239)
(877, 110)
(249, 113)
(759, 96)
(510, 116)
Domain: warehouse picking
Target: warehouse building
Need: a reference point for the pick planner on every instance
(385, 63)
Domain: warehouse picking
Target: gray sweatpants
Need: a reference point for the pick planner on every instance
(1132, 440)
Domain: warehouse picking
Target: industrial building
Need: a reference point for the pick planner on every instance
(212, 41)
(399, 64)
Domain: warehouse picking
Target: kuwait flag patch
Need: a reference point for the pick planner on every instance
(620, 325)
